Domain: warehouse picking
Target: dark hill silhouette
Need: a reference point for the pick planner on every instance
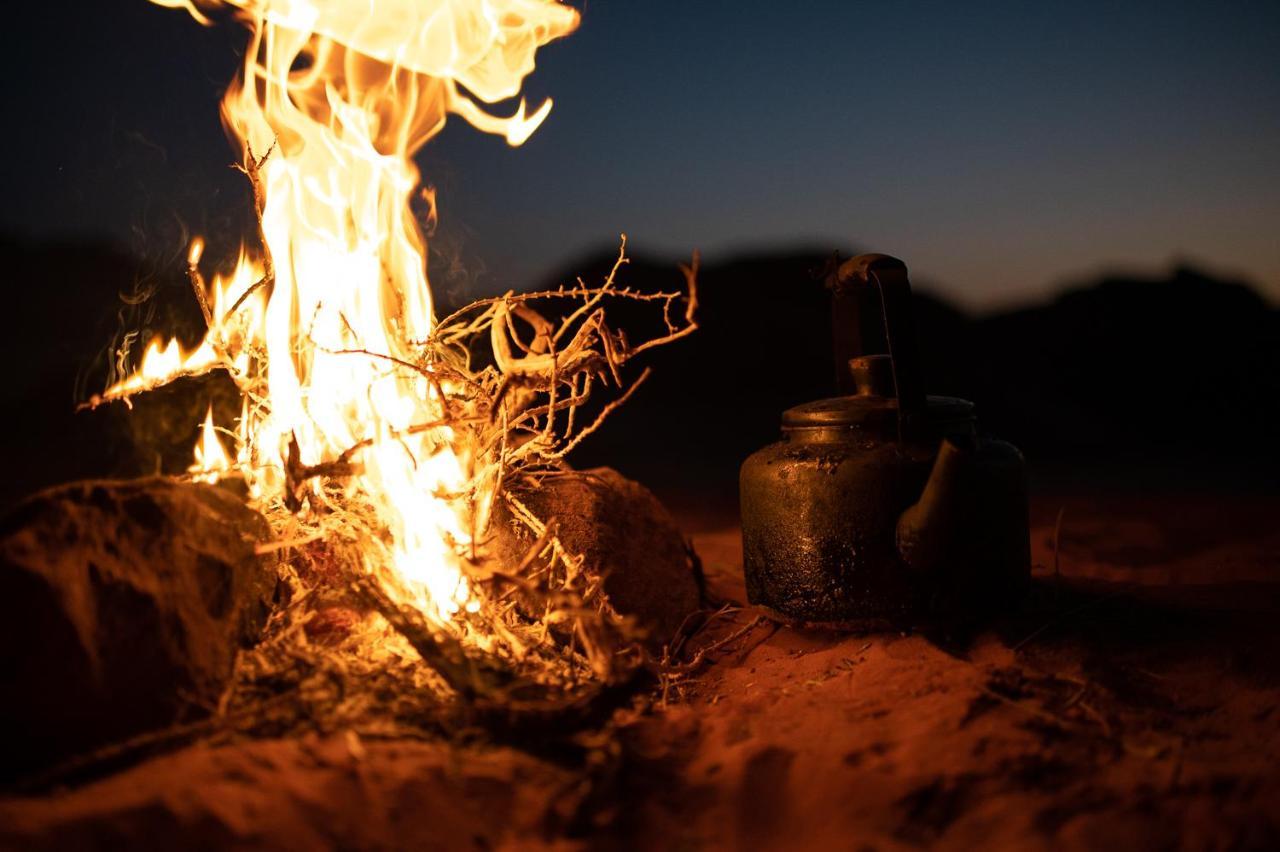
(1177, 377)
(1184, 364)
(1179, 374)
(62, 314)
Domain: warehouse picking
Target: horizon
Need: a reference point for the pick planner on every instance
(571, 265)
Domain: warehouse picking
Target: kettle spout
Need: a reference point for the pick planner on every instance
(968, 533)
(929, 530)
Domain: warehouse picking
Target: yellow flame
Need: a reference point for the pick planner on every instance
(212, 460)
(189, 5)
(342, 93)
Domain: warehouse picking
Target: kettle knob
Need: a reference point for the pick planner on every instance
(872, 375)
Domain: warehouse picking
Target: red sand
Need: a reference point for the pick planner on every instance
(1132, 705)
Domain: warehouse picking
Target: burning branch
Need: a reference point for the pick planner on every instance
(252, 169)
(197, 280)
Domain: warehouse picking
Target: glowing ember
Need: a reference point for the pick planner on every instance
(333, 100)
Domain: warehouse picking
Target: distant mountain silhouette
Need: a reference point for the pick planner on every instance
(1181, 373)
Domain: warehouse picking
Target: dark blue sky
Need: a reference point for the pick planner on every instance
(999, 148)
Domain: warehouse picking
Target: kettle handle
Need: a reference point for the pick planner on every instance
(889, 277)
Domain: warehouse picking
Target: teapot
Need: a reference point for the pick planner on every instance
(884, 507)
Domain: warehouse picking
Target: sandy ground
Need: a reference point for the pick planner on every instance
(1132, 703)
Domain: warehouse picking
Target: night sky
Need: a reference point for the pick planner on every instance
(1001, 149)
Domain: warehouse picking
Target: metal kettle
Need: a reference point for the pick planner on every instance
(884, 507)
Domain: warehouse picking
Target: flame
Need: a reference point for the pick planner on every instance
(341, 93)
(163, 362)
(212, 460)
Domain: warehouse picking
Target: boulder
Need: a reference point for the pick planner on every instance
(122, 605)
(626, 534)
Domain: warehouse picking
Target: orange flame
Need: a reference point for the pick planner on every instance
(342, 94)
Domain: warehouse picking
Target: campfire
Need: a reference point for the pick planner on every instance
(402, 460)
(306, 545)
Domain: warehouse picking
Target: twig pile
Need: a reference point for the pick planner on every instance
(509, 389)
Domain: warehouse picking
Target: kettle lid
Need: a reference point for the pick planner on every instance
(874, 405)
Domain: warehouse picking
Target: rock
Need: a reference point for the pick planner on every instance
(626, 534)
(122, 605)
